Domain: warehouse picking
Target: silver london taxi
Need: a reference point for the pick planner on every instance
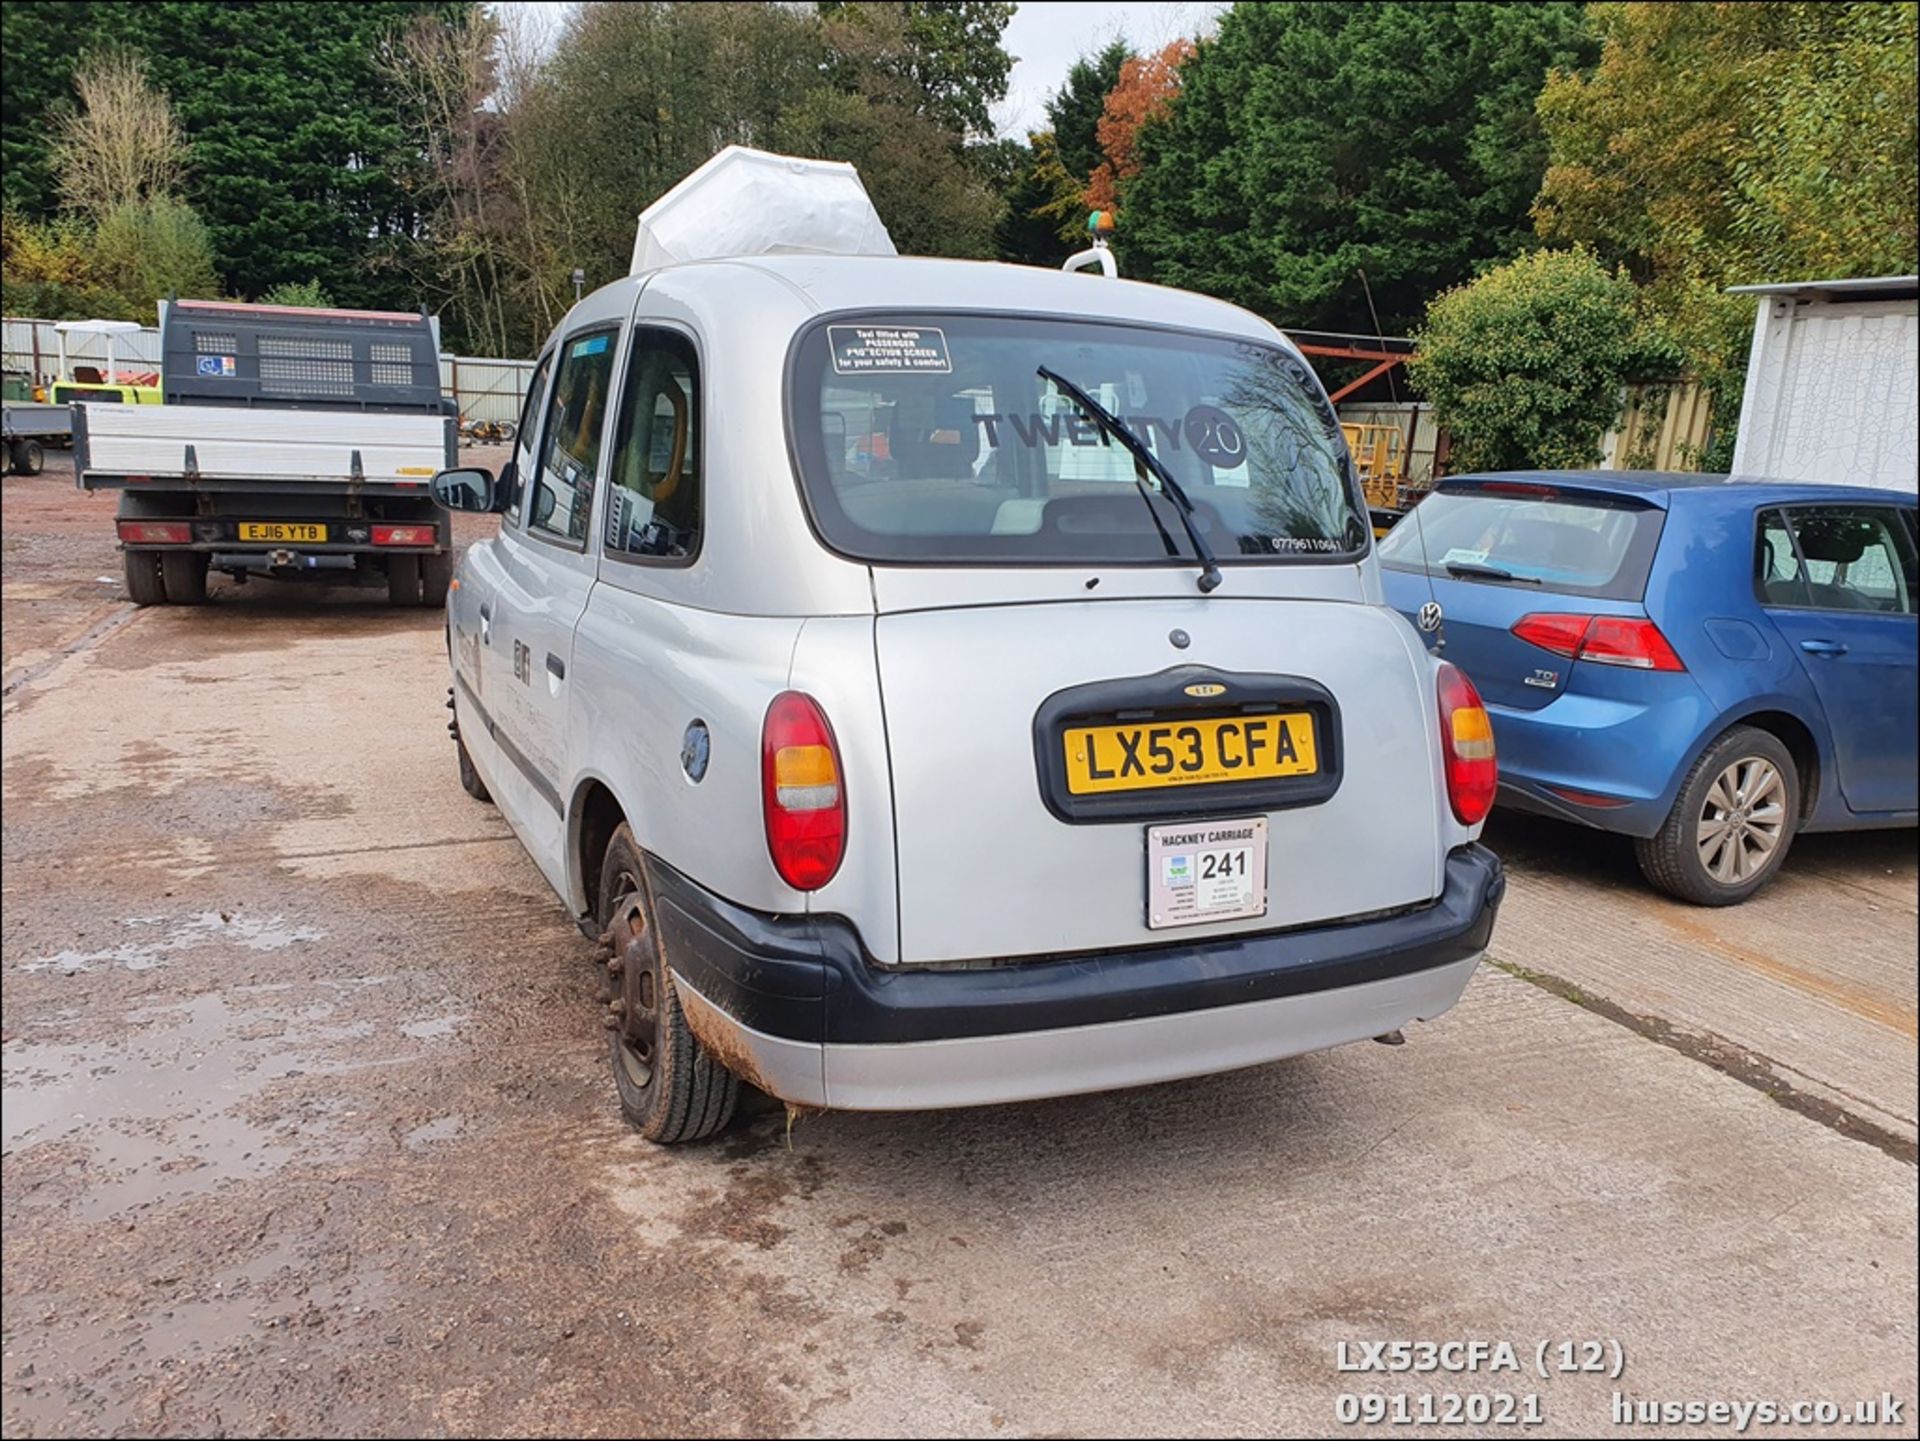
(940, 683)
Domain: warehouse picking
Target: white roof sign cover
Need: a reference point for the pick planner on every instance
(750, 202)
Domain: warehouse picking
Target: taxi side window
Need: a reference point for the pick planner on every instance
(562, 487)
(654, 498)
(527, 435)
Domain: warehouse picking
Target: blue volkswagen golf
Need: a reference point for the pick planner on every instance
(1707, 664)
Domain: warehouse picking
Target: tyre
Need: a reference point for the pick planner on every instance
(403, 580)
(1731, 825)
(184, 573)
(28, 457)
(470, 781)
(669, 1086)
(145, 585)
(436, 574)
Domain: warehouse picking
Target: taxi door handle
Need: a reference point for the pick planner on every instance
(556, 665)
(1823, 647)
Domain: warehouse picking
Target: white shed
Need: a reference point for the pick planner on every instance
(1833, 383)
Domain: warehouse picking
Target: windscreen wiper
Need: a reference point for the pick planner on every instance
(1137, 448)
(1488, 572)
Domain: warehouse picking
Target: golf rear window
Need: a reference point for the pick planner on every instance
(933, 438)
(1554, 542)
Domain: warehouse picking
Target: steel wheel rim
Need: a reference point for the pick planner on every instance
(1742, 821)
(637, 1029)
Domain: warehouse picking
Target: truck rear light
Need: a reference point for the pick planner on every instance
(154, 532)
(1626, 640)
(403, 535)
(805, 802)
(1466, 745)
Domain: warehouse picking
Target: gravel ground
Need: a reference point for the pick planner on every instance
(308, 1128)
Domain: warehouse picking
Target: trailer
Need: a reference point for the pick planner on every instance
(294, 443)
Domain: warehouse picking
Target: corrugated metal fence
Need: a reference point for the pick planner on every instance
(484, 389)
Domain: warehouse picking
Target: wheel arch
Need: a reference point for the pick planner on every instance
(1802, 743)
(593, 815)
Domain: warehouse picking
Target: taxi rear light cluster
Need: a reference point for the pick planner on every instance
(1628, 640)
(403, 535)
(1466, 746)
(801, 790)
(155, 532)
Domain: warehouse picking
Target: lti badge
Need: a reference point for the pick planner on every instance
(214, 364)
(1202, 871)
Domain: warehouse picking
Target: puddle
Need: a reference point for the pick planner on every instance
(145, 952)
(433, 1028)
(443, 1129)
(164, 1108)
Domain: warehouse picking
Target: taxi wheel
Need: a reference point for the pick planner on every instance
(185, 575)
(669, 1086)
(470, 781)
(403, 580)
(144, 583)
(1732, 824)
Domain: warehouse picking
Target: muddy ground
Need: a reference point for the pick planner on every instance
(308, 1127)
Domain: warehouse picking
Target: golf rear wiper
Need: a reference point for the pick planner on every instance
(1137, 448)
(1488, 572)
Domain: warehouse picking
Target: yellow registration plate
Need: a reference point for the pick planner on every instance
(1156, 754)
(281, 531)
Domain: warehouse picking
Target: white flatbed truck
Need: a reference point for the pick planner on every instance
(294, 444)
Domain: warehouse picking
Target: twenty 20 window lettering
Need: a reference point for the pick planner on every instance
(934, 438)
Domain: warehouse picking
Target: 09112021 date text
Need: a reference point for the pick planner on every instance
(1444, 1408)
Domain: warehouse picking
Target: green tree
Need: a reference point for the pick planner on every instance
(634, 96)
(1313, 142)
(1074, 110)
(298, 292)
(38, 48)
(952, 57)
(1526, 365)
(147, 250)
(299, 149)
(1716, 145)
(1037, 207)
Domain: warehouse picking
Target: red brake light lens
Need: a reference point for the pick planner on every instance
(1466, 745)
(802, 793)
(154, 532)
(1627, 640)
(1560, 634)
(403, 535)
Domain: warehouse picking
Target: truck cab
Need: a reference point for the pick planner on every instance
(939, 684)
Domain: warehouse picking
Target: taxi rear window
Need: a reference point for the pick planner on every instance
(933, 438)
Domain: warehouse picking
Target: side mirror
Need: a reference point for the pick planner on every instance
(465, 489)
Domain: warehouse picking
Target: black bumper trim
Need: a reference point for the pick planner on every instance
(807, 978)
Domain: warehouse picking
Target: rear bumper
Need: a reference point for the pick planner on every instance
(794, 1005)
(1601, 761)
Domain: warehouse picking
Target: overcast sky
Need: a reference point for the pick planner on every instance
(1045, 39)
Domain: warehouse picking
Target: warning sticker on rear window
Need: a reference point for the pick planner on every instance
(889, 349)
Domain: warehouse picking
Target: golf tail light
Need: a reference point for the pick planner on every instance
(1466, 745)
(1626, 640)
(403, 535)
(801, 790)
(155, 532)
(1630, 641)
